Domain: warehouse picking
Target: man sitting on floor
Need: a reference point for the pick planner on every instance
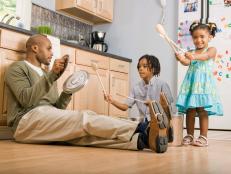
(37, 113)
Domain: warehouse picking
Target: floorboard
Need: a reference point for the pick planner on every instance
(59, 159)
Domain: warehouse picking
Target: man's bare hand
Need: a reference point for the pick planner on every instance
(60, 65)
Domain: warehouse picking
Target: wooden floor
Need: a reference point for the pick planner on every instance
(59, 159)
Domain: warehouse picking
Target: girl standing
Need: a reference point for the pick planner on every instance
(197, 95)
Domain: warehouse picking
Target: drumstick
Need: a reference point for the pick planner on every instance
(160, 29)
(95, 67)
(131, 98)
(177, 46)
(169, 42)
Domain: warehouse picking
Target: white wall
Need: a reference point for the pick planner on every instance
(132, 34)
(49, 4)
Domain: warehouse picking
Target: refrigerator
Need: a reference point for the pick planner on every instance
(218, 11)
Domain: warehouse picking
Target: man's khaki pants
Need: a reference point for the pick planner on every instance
(85, 128)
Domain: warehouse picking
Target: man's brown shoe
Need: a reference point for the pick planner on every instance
(166, 105)
(157, 139)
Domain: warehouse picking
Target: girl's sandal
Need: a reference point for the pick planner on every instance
(188, 140)
(201, 141)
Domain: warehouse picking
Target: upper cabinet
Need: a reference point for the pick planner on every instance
(91, 11)
(105, 9)
(89, 5)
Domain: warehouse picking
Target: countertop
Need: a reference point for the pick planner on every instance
(28, 32)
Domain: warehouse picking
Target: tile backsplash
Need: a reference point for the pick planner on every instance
(64, 27)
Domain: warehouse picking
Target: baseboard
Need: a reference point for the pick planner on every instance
(213, 129)
(6, 133)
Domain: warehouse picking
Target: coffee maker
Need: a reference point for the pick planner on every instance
(97, 41)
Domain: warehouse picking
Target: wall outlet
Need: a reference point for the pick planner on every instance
(81, 37)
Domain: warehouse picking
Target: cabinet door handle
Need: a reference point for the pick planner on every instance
(77, 2)
(112, 80)
(96, 3)
(121, 66)
(100, 5)
(9, 58)
(95, 61)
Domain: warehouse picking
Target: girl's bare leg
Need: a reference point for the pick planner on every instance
(204, 121)
(190, 120)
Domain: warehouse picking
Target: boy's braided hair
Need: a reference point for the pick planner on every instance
(153, 63)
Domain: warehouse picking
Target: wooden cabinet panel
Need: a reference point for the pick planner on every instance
(119, 84)
(69, 71)
(70, 51)
(91, 11)
(12, 40)
(87, 58)
(105, 9)
(119, 65)
(6, 58)
(91, 97)
(89, 5)
(64, 4)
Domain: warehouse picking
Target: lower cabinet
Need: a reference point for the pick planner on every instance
(91, 97)
(13, 40)
(119, 86)
(7, 57)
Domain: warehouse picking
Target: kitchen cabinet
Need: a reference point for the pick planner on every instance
(90, 11)
(91, 97)
(87, 58)
(89, 5)
(115, 77)
(105, 9)
(119, 66)
(12, 40)
(68, 50)
(7, 57)
(119, 85)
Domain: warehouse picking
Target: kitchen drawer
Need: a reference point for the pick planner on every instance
(13, 40)
(119, 65)
(70, 51)
(87, 58)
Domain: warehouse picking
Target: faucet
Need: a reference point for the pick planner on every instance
(11, 18)
(4, 17)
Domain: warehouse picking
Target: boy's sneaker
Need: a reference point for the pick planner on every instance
(166, 105)
(157, 136)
